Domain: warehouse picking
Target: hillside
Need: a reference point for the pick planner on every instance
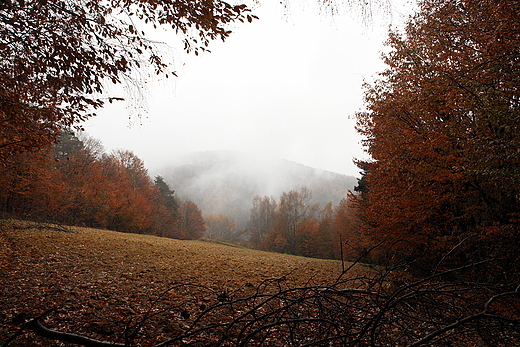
(98, 280)
(226, 181)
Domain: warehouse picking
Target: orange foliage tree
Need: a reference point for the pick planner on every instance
(80, 176)
(325, 243)
(23, 184)
(294, 226)
(76, 183)
(317, 237)
(306, 238)
(347, 232)
(133, 206)
(191, 224)
(442, 129)
(294, 208)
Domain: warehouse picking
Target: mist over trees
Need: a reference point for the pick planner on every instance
(226, 182)
(75, 182)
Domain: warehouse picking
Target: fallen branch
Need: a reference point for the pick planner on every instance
(37, 327)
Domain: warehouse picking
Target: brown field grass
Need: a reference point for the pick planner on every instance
(98, 280)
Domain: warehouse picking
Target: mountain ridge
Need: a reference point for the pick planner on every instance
(226, 181)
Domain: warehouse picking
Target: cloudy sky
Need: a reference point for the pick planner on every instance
(283, 86)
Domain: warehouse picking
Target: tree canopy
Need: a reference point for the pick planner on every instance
(442, 128)
(75, 182)
(57, 56)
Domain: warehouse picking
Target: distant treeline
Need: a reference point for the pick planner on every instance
(294, 225)
(77, 183)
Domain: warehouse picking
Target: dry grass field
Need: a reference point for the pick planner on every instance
(97, 280)
(139, 290)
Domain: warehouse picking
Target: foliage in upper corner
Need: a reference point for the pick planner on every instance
(56, 55)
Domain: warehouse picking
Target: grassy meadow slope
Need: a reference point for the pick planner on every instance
(97, 280)
(108, 285)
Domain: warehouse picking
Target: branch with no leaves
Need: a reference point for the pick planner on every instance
(37, 327)
(382, 309)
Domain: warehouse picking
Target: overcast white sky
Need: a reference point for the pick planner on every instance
(282, 86)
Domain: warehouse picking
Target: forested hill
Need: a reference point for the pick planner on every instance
(226, 181)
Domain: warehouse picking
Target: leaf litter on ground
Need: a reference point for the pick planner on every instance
(99, 282)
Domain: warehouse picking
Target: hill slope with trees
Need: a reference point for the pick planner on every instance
(226, 182)
(75, 182)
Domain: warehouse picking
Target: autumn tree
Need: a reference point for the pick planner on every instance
(62, 183)
(347, 237)
(220, 227)
(77, 183)
(315, 236)
(128, 179)
(294, 208)
(325, 242)
(57, 56)
(294, 225)
(77, 160)
(26, 184)
(45, 184)
(306, 238)
(262, 218)
(442, 129)
(191, 224)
